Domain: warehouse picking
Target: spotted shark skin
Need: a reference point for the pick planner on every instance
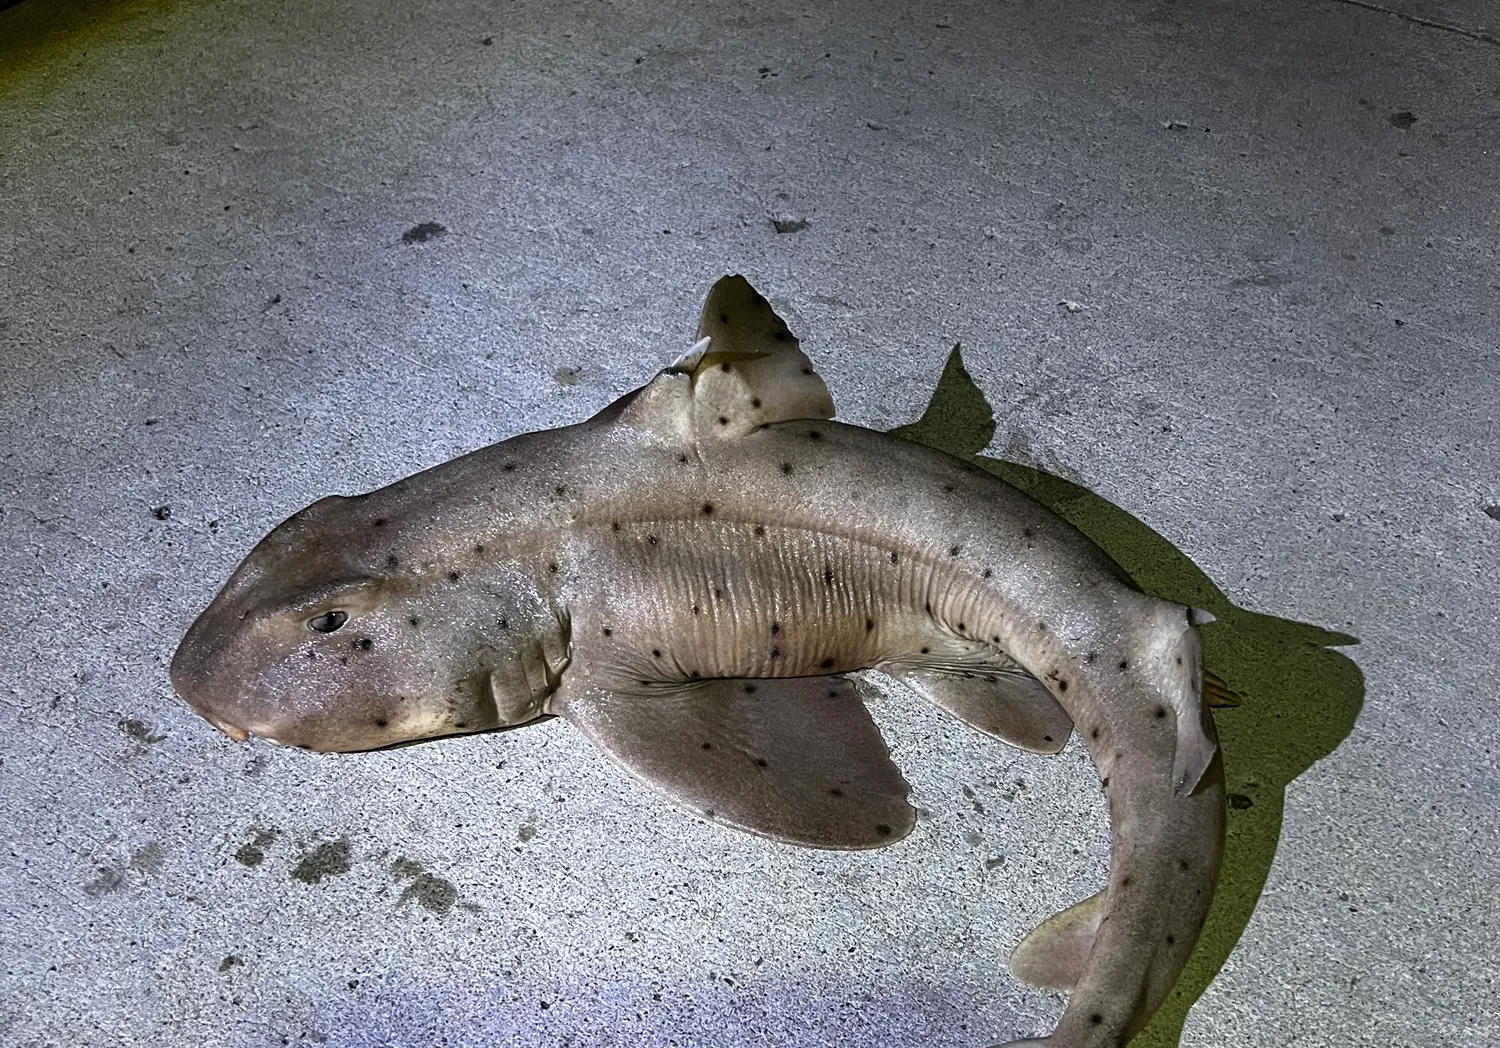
(688, 577)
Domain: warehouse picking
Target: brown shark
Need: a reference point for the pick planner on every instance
(688, 576)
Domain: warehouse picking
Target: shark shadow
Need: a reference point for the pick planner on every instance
(1299, 698)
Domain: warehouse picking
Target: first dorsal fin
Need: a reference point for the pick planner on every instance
(746, 370)
(752, 371)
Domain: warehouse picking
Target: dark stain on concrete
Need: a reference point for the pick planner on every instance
(136, 730)
(423, 232)
(526, 832)
(789, 225)
(427, 890)
(329, 859)
(149, 858)
(1403, 118)
(106, 879)
(1493, 512)
(229, 962)
(253, 851)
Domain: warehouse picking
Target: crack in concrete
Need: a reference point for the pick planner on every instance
(1483, 38)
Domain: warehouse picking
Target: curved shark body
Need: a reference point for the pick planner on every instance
(687, 576)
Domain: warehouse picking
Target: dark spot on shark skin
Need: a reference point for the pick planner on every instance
(755, 402)
(1094, 734)
(987, 573)
(381, 722)
(561, 489)
(1124, 665)
(1124, 882)
(926, 651)
(723, 420)
(453, 576)
(329, 859)
(961, 627)
(708, 509)
(414, 621)
(952, 551)
(615, 525)
(1062, 685)
(682, 457)
(656, 653)
(378, 522)
(479, 550)
(1160, 712)
(786, 467)
(608, 632)
(760, 529)
(995, 639)
(760, 762)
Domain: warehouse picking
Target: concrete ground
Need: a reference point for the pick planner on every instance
(1231, 267)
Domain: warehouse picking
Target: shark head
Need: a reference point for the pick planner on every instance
(318, 642)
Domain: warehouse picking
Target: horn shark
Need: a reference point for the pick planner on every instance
(688, 576)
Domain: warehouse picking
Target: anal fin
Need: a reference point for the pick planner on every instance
(1054, 953)
(1011, 705)
(798, 759)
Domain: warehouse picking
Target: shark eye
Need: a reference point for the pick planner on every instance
(328, 622)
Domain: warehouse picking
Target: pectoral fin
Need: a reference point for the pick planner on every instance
(1013, 706)
(796, 759)
(1053, 954)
